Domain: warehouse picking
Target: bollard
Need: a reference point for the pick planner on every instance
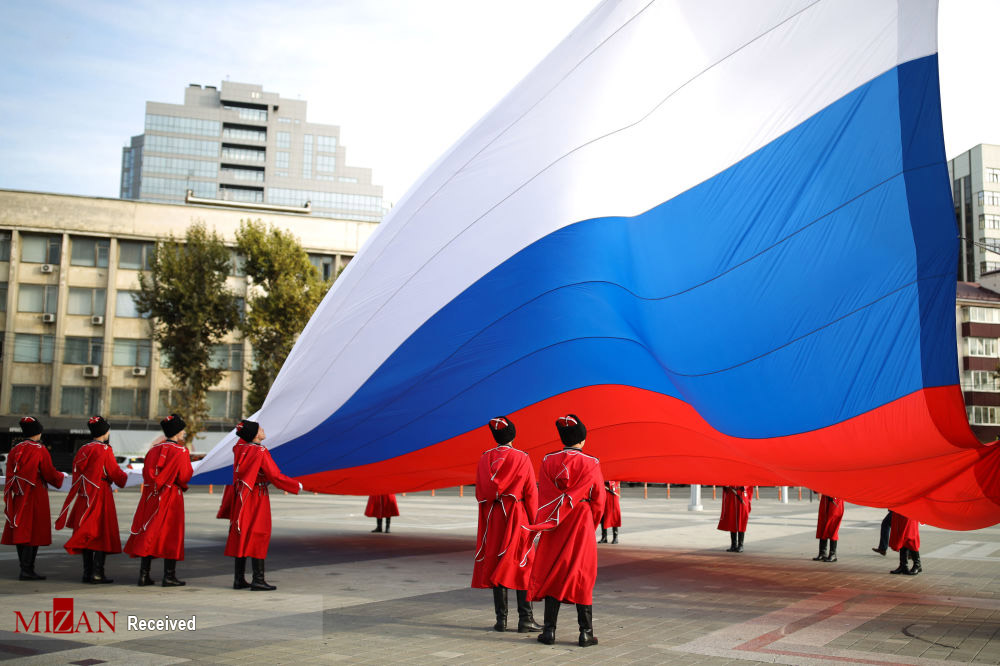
(800, 493)
(210, 489)
(668, 491)
(779, 493)
(432, 492)
(695, 504)
(757, 491)
(645, 490)
(713, 492)
(461, 491)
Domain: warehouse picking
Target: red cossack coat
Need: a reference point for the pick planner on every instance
(831, 512)
(27, 518)
(570, 506)
(508, 498)
(904, 532)
(158, 525)
(226, 507)
(89, 509)
(735, 508)
(612, 505)
(250, 516)
(381, 506)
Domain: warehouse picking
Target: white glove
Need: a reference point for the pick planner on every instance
(300, 486)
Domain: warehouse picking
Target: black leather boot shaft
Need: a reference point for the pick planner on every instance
(585, 618)
(378, 525)
(739, 542)
(144, 566)
(170, 574)
(614, 535)
(732, 543)
(387, 521)
(239, 580)
(258, 583)
(525, 617)
(88, 566)
(916, 568)
(832, 556)
(99, 578)
(548, 635)
(604, 535)
(901, 569)
(822, 551)
(500, 606)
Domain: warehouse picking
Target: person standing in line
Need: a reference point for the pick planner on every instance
(831, 512)
(905, 537)
(508, 498)
(883, 538)
(89, 509)
(27, 517)
(158, 525)
(379, 507)
(612, 511)
(250, 514)
(571, 503)
(735, 515)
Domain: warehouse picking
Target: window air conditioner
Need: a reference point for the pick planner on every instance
(139, 372)
(48, 318)
(48, 268)
(91, 371)
(97, 320)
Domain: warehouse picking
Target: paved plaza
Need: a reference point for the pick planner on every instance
(669, 593)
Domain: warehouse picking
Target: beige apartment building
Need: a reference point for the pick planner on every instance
(72, 343)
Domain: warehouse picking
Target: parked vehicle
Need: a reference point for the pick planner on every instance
(133, 463)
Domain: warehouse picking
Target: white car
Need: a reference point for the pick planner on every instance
(133, 463)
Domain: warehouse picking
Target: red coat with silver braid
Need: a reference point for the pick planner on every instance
(89, 509)
(250, 516)
(27, 518)
(570, 506)
(612, 506)
(158, 525)
(831, 512)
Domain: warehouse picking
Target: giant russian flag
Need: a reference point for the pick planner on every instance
(719, 232)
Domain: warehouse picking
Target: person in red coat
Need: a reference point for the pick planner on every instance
(27, 519)
(89, 508)
(379, 507)
(158, 524)
(612, 511)
(250, 515)
(735, 515)
(508, 498)
(571, 503)
(904, 536)
(831, 512)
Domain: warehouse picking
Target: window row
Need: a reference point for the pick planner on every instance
(980, 346)
(177, 187)
(31, 348)
(85, 400)
(182, 125)
(979, 415)
(980, 380)
(85, 251)
(244, 134)
(246, 195)
(992, 175)
(252, 175)
(989, 221)
(981, 315)
(247, 114)
(178, 166)
(988, 266)
(249, 154)
(324, 200)
(155, 143)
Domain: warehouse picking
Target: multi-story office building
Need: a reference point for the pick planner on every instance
(72, 342)
(238, 143)
(975, 178)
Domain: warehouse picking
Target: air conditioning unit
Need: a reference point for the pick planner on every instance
(91, 371)
(139, 372)
(48, 268)
(48, 318)
(97, 320)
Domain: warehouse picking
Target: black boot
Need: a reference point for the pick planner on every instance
(548, 635)
(832, 557)
(732, 543)
(26, 557)
(88, 566)
(585, 616)
(144, 566)
(258, 583)
(99, 578)
(525, 618)
(239, 580)
(915, 556)
(387, 521)
(170, 574)
(739, 543)
(822, 551)
(604, 535)
(614, 535)
(500, 606)
(901, 569)
(378, 525)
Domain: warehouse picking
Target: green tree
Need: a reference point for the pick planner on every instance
(285, 290)
(190, 309)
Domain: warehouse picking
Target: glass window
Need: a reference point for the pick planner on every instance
(178, 166)
(4, 246)
(284, 139)
(227, 357)
(39, 249)
(182, 125)
(992, 175)
(129, 402)
(247, 114)
(326, 163)
(83, 351)
(133, 352)
(307, 155)
(3, 297)
(326, 144)
(248, 195)
(29, 399)
(37, 298)
(324, 263)
(248, 173)
(238, 263)
(244, 134)
(30, 348)
(84, 301)
(175, 187)
(125, 305)
(90, 252)
(224, 404)
(135, 255)
(281, 159)
(250, 154)
(178, 146)
(82, 400)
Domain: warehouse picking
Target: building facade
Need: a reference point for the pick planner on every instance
(239, 143)
(975, 178)
(978, 320)
(72, 342)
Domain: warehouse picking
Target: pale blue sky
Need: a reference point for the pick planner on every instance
(403, 78)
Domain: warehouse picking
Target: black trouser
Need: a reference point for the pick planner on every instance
(883, 538)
